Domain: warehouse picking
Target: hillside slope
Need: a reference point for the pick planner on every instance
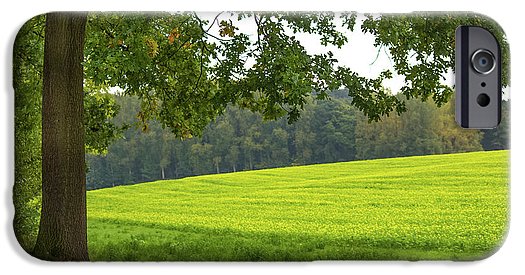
(429, 207)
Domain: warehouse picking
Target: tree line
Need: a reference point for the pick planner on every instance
(328, 131)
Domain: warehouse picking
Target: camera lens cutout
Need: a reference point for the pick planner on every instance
(483, 100)
(483, 61)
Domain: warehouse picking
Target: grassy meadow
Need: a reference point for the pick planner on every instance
(428, 207)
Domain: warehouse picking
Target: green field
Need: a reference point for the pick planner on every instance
(430, 207)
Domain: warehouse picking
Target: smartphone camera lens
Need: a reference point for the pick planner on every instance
(483, 61)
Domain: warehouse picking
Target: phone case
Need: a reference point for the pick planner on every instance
(252, 136)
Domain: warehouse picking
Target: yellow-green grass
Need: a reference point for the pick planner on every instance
(428, 207)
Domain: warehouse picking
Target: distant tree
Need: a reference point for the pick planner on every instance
(166, 151)
(202, 160)
(233, 157)
(454, 138)
(336, 121)
(221, 135)
(418, 131)
(304, 137)
(276, 148)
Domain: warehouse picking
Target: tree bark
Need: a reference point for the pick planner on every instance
(62, 234)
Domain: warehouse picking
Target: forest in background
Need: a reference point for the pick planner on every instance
(328, 131)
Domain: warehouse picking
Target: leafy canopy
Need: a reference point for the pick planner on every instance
(186, 72)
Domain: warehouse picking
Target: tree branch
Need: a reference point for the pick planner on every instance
(205, 32)
(202, 67)
(259, 30)
(214, 20)
(377, 55)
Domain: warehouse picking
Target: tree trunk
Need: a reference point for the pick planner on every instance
(162, 172)
(63, 225)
